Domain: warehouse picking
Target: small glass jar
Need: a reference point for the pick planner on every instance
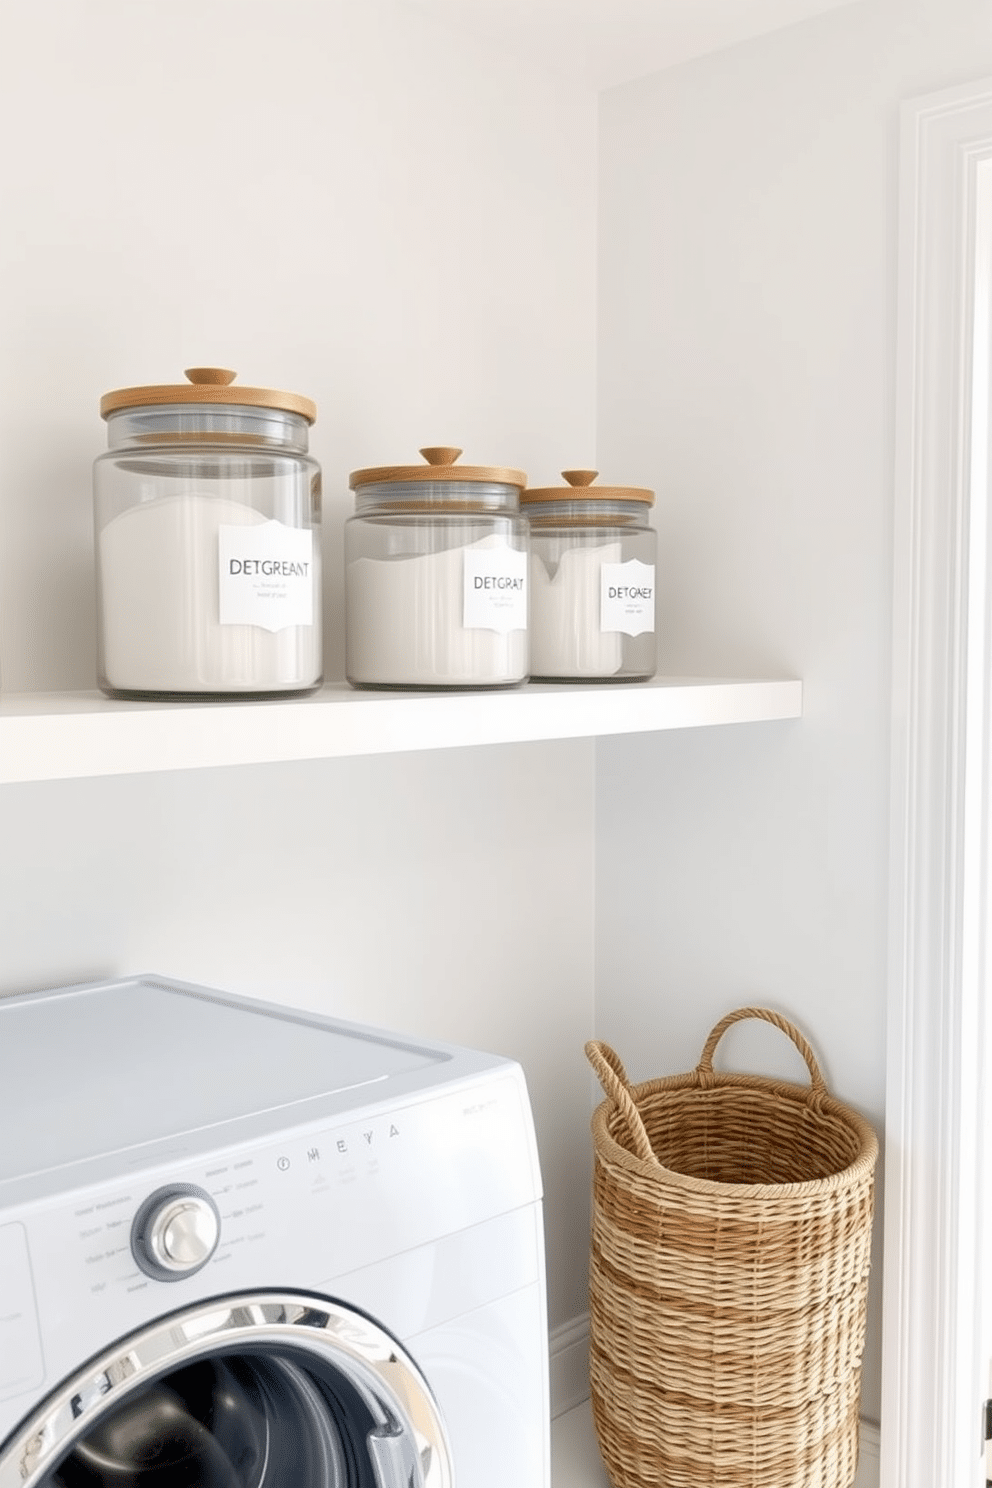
(592, 582)
(436, 576)
(207, 509)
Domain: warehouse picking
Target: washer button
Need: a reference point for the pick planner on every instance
(185, 1235)
(175, 1232)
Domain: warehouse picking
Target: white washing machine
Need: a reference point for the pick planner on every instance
(244, 1247)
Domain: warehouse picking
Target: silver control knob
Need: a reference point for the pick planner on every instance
(184, 1234)
(175, 1232)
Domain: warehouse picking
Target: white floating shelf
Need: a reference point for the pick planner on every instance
(63, 736)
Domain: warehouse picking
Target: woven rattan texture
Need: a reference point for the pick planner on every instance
(728, 1279)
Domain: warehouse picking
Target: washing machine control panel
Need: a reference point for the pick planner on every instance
(175, 1232)
(299, 1207)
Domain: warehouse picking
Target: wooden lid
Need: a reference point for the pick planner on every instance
(440, 467)
(580, 488)
(207, 385)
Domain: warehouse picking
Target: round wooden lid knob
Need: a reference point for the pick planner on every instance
(210, 376)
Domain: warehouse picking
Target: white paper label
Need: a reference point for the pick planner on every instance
(495, 589)
(266, 575)
(626, 597)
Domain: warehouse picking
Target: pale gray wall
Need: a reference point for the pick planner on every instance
(421, 261)
(748, 240)
(343, 200)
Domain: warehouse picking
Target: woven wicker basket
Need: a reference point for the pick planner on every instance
(730, 1252)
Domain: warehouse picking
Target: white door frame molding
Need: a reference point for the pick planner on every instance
(934, 1375)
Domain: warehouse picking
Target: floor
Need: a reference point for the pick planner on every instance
(575, 1459)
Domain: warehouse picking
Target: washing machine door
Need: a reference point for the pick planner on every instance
(259, 1390)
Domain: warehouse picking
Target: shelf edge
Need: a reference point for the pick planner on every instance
(47, 737)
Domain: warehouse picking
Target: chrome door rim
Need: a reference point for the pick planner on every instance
(374, 1362)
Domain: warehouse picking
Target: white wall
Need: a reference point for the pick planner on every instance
(331, 197)
(337, 198)
(416, 894)
(747, 297)
(340, 199)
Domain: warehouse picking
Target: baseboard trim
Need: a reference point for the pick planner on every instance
(569, 1367)
(569, 1364)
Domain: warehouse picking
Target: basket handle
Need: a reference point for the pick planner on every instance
(706, 1075)
(613, 1078)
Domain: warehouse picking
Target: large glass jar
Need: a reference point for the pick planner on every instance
(436, 576)
(592, 581)
(207, 509)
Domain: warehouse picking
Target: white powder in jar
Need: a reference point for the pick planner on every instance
(404, 624)
(565, 635)
(160, 606)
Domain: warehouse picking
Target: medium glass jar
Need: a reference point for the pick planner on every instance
(436, 576)
(207, 509)
(592, 581)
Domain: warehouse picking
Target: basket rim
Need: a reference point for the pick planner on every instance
(863, 1165)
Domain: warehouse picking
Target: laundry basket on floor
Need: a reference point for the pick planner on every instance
(731, 1242)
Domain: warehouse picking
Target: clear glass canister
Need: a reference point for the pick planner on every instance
(207, 510)
(436, 576)
(592, 581)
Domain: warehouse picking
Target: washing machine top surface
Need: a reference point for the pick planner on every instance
(90, 1071)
